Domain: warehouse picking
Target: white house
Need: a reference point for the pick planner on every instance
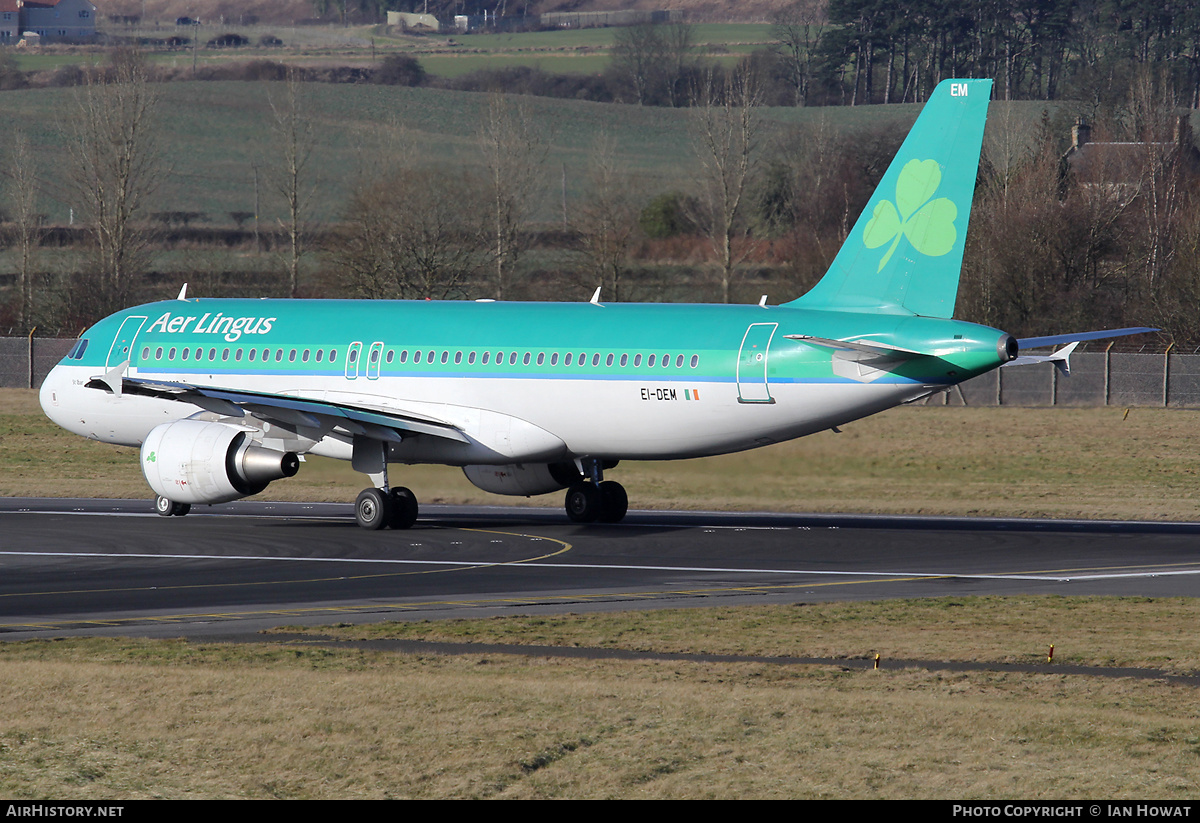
(58, 19)
(10, 21)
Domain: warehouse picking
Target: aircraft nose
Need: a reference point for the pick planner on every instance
(52, 395)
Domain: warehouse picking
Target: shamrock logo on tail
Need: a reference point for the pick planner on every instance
(928, 224)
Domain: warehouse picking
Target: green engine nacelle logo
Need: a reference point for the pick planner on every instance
(927, 223)
(150, 458)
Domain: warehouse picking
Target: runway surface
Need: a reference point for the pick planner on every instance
(112, 567)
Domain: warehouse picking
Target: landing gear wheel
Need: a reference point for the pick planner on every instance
(614, 502)
(169, 508)
(373, 509)
(404, 508)
(584, 503)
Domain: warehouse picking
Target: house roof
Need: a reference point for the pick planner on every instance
(8, 6)
(1120, 162)
(49, 4)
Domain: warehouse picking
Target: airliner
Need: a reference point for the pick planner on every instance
(225, 396)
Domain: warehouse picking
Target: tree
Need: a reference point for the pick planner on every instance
(798, 27)
(726, 133)
(513, 154)
(608, 217)
(117, 165)
(290, 173)
(651, 62)
(23, 199)
(414, 234)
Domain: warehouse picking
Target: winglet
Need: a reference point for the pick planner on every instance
(595, 301)
(182, 293)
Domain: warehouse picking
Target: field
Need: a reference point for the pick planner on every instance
(128, 719)
(213, 135)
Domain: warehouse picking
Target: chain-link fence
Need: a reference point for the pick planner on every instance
(1097, 378)
(25, 361)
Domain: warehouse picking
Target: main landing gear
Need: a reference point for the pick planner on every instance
(381, 507)
(378, 509)
(596, 500)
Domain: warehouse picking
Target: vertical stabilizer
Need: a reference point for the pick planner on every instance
(905, 252)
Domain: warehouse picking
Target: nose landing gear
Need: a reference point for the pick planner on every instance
(169, 508)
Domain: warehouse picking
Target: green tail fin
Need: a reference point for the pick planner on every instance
(905, 252)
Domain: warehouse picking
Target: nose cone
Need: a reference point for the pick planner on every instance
(53, 396)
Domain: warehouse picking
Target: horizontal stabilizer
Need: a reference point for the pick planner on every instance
(1061, 359)
(1078, 337)
(880, 349)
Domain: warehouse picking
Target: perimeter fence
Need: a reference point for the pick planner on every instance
(1097, 378)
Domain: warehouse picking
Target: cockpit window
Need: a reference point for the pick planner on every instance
(78, 349)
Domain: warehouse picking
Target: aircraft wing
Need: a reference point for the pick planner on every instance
(292, 411)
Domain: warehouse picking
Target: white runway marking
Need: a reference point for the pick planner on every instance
(1059, 578)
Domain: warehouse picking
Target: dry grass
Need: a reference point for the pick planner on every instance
(1155, 633)
(1088, 463)
(126, 719)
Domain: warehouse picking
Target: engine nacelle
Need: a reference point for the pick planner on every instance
(193, 461)
(523, 479)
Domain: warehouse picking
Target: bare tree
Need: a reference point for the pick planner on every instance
(117, 166)
(23, 188)
(726, 134)
(679, 39)
(608, 217)
(414, 234)
(290, 174)
(798, 28)
(513, 154)
(651, 62)
(638, 60)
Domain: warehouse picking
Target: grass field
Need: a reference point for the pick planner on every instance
(128, 719)
(214, 135)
